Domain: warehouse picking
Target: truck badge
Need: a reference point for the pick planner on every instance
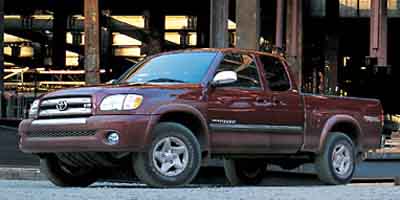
(62, 105)
(223, 121)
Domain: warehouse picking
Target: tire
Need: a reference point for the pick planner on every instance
(181, 158)
(245, 171)
(341, 172)
(63, 176)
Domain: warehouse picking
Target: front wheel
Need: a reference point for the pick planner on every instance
(337, 161)
(63, 175)
(173, 159)
(245, 171)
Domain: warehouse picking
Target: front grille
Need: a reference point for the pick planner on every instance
(65, 107)
(47, 133)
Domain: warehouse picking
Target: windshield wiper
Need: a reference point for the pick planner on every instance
(159, 80)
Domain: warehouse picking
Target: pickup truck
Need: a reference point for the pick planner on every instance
(172, 111)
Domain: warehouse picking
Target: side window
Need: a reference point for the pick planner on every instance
(245, 67)
(275, 74)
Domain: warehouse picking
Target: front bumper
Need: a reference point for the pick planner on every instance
(132, 130)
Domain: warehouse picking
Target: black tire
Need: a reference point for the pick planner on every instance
(245, 171)
(324, 163)
(63, 176)
(147, 169)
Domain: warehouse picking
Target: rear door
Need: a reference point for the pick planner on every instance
(238, 112)
(288, 110)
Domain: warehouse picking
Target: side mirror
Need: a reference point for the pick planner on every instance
(111, 82)
(224, 78)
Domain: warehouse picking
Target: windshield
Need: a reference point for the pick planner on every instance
(172, 68)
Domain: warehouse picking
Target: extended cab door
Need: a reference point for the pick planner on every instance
(287, 108)
(239, 113)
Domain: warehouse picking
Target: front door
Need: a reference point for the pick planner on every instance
(238, 112)
(288, 107)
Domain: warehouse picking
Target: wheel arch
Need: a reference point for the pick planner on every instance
(188, 116)
(345, 124)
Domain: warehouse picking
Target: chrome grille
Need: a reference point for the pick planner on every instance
(61, 107)
(49, 133)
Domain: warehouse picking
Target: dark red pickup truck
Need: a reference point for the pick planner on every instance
(172, 111)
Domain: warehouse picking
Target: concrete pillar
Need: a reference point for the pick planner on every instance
(378, 31)
(294, 37)
(15, 50)
(106, 44)
(184, 39)
(92, 41)
(2, 110)
(331, 46)
(280, 11)
(203, 29)
(155, 24)
(219, 12)
(331, 61)
(76, 38)
(248, 24)
(59, 41)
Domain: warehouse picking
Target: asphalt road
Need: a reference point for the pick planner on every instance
(43, 190)
(9, 152)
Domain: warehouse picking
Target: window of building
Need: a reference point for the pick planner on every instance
(318, 8)
(394, 8)
(355, 8)
(362, 8)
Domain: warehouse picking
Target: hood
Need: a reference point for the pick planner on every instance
(155, 95)
(142, 89)
(81, 91)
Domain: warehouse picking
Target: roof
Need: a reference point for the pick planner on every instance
(222, 50)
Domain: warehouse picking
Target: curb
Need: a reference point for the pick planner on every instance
(30, 174)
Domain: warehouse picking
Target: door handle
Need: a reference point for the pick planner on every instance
(260, 100)
(275, 101)
(263, 101)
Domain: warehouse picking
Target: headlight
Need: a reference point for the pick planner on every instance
(33, 111)
(121, 102)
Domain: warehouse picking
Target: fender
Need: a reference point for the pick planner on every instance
(332, 121)
(174, 107)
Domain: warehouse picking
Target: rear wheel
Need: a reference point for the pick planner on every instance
(337, 161)
(245, 171)
(63, 175)
(173, 159)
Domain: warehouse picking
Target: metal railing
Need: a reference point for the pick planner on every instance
(23, 85)
(17, 105)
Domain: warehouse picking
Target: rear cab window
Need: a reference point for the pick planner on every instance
(275, 74)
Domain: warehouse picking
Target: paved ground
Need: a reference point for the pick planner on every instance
(43, 190)
(11, 156)
(293, 186)
(9, 152)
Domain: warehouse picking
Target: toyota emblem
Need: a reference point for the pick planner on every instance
(62, 105)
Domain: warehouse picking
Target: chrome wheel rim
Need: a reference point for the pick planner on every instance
(170, 156)
(342, 161)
